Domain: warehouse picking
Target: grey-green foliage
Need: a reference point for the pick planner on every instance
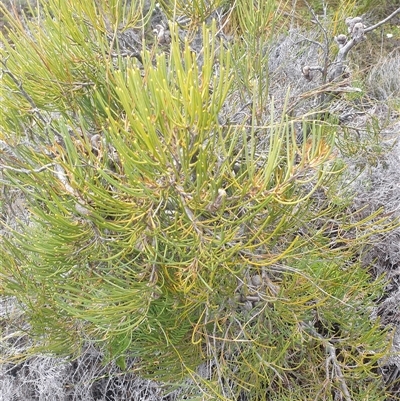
(161, 235)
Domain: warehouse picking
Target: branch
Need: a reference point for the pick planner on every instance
(371, 28)
(339, 73)
(357, 32)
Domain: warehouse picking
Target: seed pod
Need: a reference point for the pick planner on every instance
(358, 32)
(341, 40)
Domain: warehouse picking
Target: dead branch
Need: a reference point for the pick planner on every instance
(357, 31)
(371, 28)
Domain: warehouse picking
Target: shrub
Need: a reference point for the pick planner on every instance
(163, 233)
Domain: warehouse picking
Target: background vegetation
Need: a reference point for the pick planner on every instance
(188, 212)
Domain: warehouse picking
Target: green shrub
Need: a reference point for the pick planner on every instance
(160, 233)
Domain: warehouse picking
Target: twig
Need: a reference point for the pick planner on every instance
(325, 48)
(331, 351)
(371, 28)
(26, 171)
(314, 42)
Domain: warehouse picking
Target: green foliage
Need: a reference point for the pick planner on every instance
(255, 28)
(160, 233)
(192, 13)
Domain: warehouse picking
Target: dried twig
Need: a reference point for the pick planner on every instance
(25, 170)
(325, 47)
(331, 360)
(377, 25)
